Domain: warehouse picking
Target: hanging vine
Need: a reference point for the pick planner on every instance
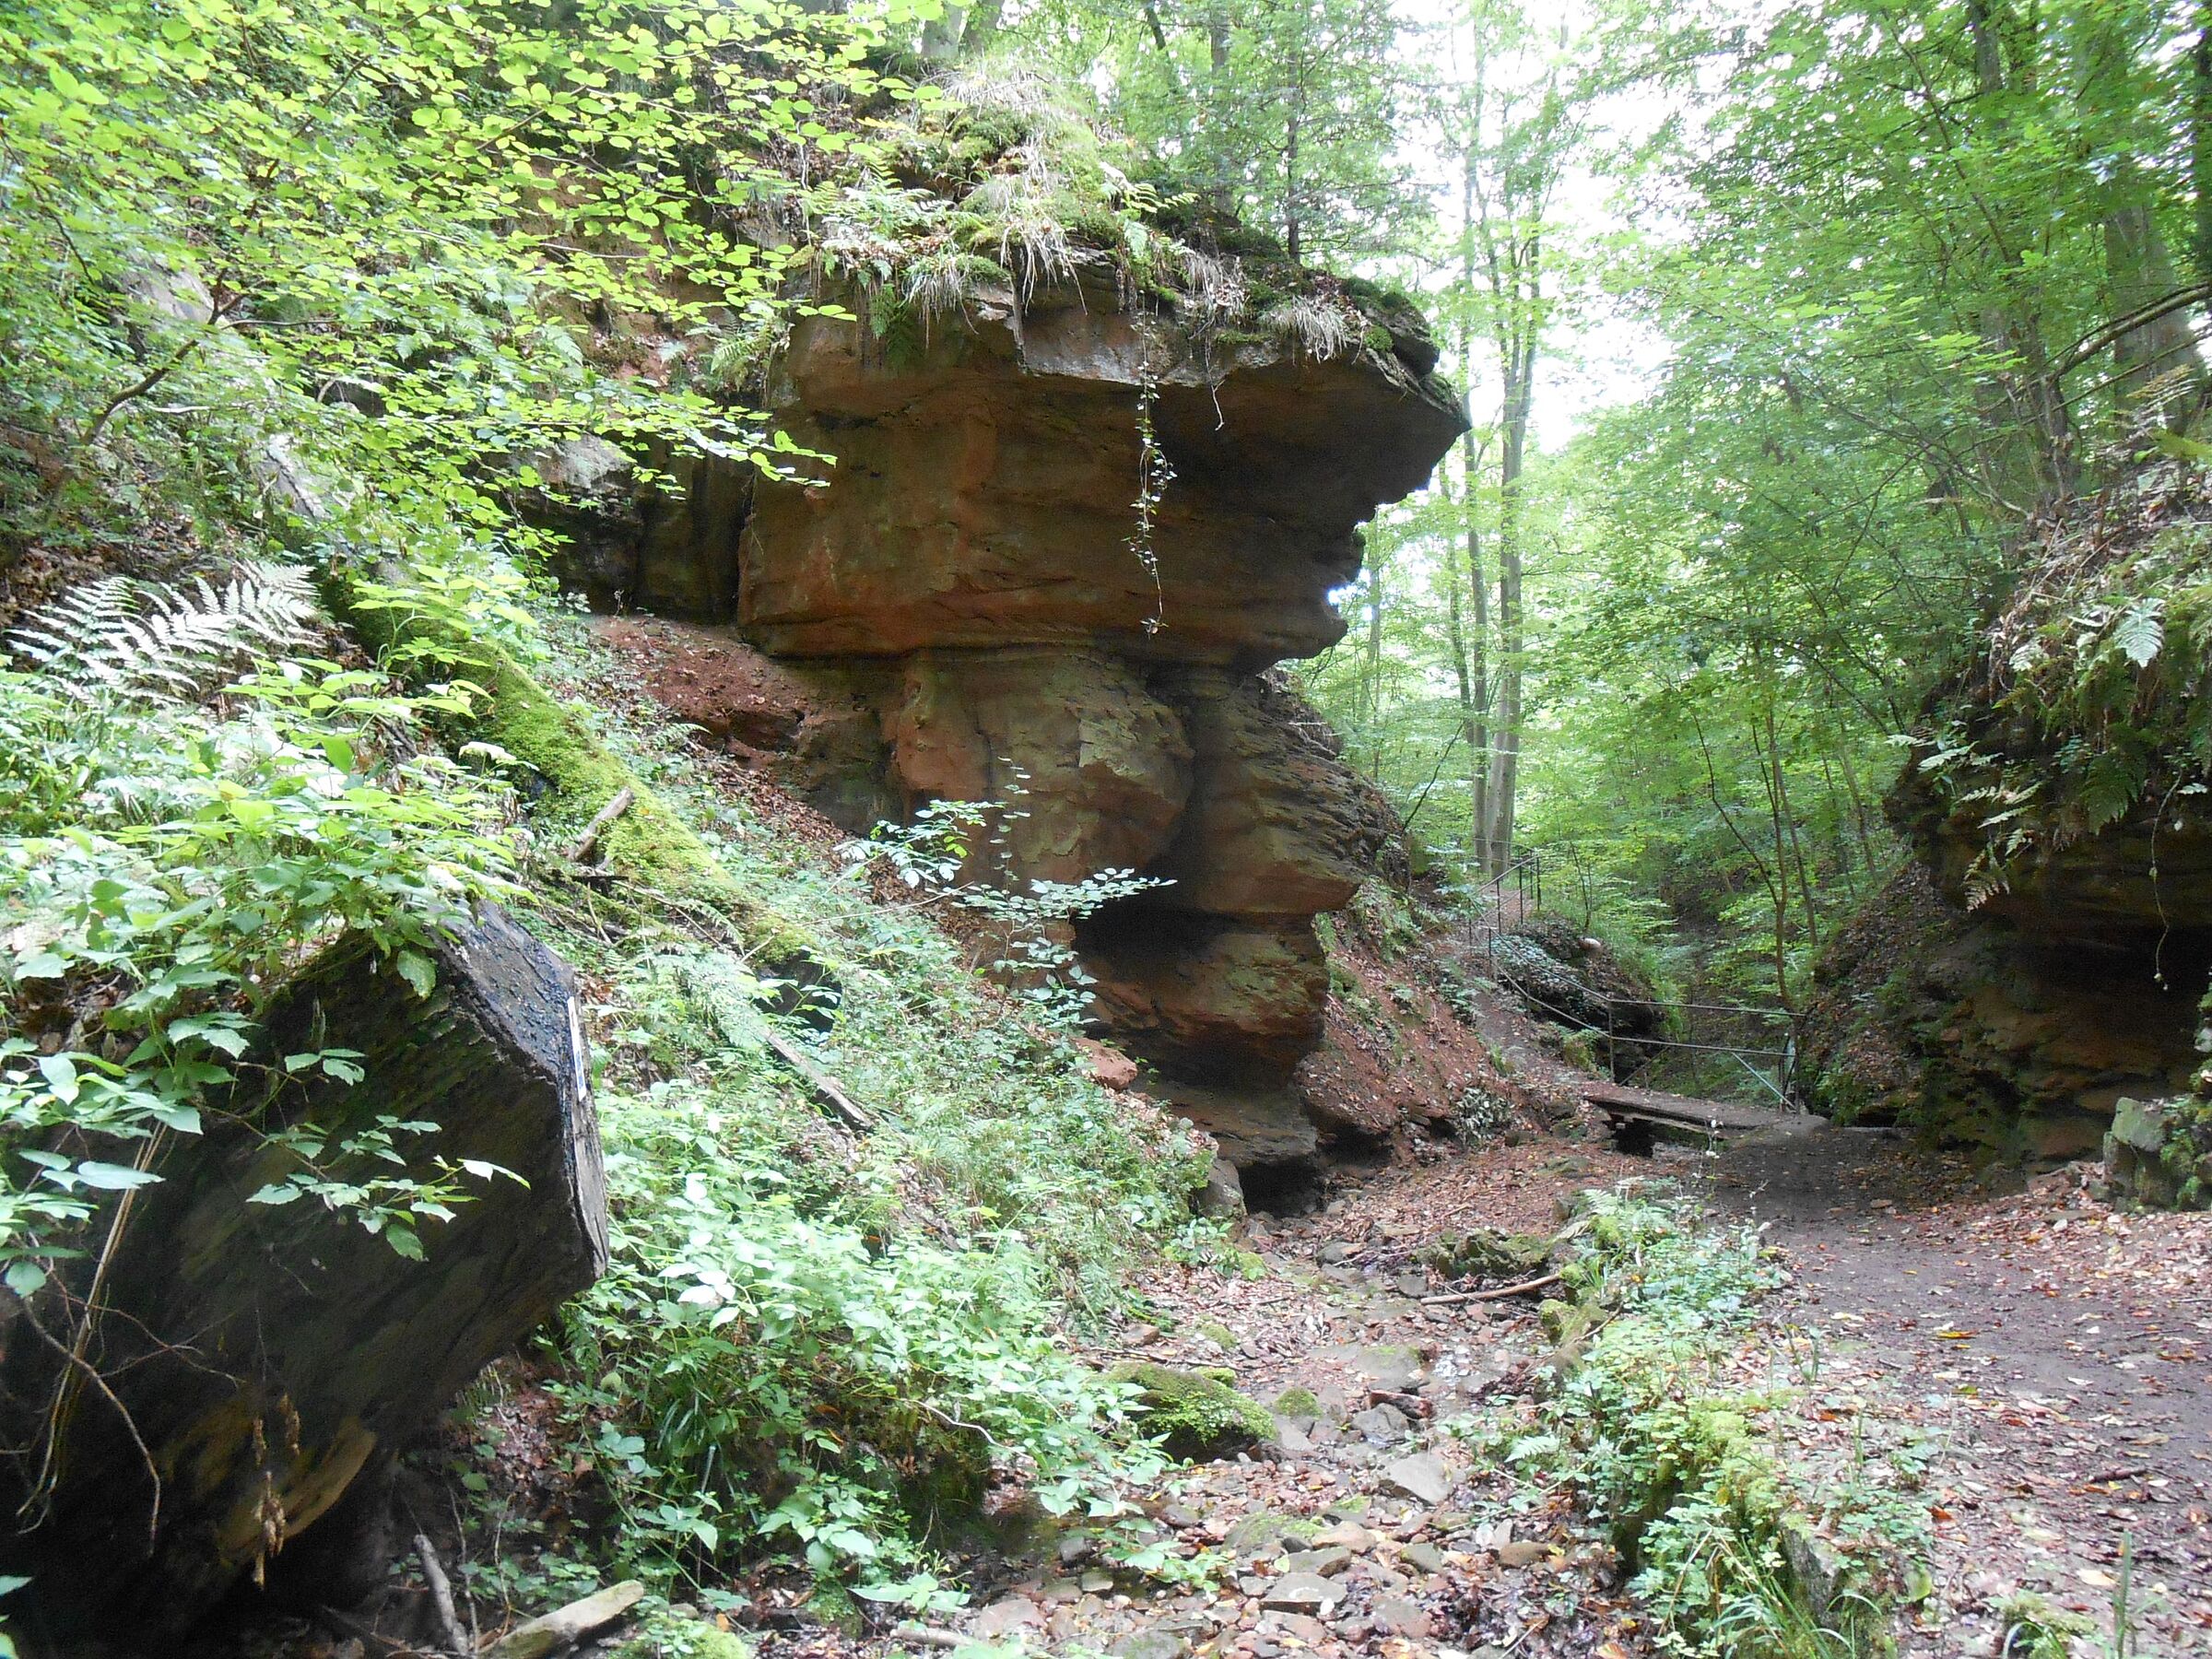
(1153, 476)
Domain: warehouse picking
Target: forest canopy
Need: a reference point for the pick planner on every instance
(1893, 283)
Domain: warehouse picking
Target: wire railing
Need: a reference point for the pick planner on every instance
(1707, 1050)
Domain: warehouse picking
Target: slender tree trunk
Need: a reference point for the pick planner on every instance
(1780, 886)
(1290, 187)
(1787, 819)
(1989, 52)
(1374, 670)
(1222, 185)
(2032, 439)
(1473, 653)
(2156, 361)
(2140, 273)
(941, 34)
(982, 27)
(1520, 360)
(2200, 142)
(1858, 809)
(1777, 896)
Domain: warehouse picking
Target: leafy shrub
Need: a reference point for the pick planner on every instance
(751, 1376)
(956, 850)
(166, 864)
(831, 1348)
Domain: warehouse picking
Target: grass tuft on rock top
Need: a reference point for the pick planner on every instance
(828, 1348)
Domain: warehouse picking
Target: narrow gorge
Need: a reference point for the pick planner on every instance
(1335, 830)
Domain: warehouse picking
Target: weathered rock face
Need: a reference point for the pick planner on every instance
(272, 1357)
(2044, 957)
(2142, 876)
(1101, 764)
(982, 492)
(2015, 1028)
(963, 594)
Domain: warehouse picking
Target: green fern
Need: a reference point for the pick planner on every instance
(121, 638)
(2140, 633)
(897, 326)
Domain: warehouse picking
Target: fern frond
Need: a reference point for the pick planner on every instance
(121, 638)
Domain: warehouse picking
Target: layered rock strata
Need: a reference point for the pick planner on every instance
(1982, 1032)
(966, 595)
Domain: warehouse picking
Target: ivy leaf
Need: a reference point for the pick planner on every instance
(113, 1178)
(277, 1192)
(178, 1116)
(60, 1073)
(23, 1277)
(217, 1032)
(418, 970)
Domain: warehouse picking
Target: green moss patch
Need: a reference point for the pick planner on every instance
(1197, 1414)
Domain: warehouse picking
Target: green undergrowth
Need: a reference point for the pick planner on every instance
(195, 798)
(831, 1347)
(835, 1348)
(1005, 182)
(1685, 1435)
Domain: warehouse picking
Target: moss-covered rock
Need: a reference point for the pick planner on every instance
(2160, 1153)
(1297, 1402)
(648, 845)
(667, 1636)
(1198, 1415)
(1488, 1254)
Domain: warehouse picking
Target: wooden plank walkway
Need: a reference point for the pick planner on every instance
(1620, 1102)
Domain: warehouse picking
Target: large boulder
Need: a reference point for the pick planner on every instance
(260, 1364)
(1963, 1024)
(1095, 768)
(1277, 825)
(1210, 998)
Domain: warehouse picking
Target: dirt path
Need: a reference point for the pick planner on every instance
(2061, 1352)
(2051, 1356)
(1364, 1531)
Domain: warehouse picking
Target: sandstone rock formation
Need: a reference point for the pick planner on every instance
(2044, 957)
(2013, 1015)
(1983, 1033)
(966, 595)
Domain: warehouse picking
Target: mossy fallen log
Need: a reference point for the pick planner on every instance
(244, 1365)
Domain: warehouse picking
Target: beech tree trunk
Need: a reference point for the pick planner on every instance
(1472, 653)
